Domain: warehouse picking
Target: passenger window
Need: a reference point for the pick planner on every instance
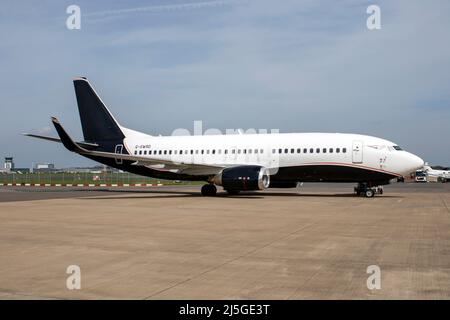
(338, 150)
(135, 152)
(299, 150)
(324, 150)
(280, 150)
(239, 151)
(286, 150)
(176, 151)
(249, 151)
(311, 150)
(213, 151)
(203, 151)
(192, 151)
(245, 151)
(256, 150)
(219, 151)
(330, 150)
(317, 150)
(170, 151)
(181, 151)
(233, 151)
(225, 151)
(344, 150)
(196, 151)
(261, 150)
(292, 150)
(207, 151)
(305, 150)
(165, 151)
(273, 150)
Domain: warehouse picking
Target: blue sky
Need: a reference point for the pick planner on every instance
(296, 66)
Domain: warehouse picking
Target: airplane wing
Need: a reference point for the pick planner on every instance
(158, 164)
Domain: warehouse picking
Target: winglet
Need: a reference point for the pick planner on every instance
(65, 138)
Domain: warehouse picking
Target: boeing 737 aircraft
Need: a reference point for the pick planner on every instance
(236, 162)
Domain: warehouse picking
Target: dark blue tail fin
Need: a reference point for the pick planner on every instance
(97, 122)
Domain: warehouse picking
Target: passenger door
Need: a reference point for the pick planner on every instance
(118, 150)
(357, 151)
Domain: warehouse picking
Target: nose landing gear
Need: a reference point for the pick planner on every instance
(363, 189)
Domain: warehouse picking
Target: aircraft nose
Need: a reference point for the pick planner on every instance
(415, 162)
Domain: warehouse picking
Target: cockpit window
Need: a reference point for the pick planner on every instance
(397, 148)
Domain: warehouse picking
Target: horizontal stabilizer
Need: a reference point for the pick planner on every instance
(82, 144)
(42, 137)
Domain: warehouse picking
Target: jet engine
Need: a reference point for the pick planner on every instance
(243, 178)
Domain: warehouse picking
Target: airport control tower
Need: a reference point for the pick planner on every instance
(9, 163)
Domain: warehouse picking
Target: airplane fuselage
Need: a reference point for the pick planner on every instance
(290, 157)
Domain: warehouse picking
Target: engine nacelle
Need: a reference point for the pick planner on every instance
(243, 178)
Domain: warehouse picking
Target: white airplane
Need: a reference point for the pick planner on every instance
(440, 175)
(236, 162)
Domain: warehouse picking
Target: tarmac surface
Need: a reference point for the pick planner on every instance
(315, 242)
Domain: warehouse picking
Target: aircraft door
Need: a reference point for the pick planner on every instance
(119, 149)
(357, 152)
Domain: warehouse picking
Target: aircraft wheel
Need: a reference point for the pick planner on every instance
(209, 190)
(369, 193)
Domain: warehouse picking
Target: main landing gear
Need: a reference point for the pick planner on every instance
(209, 190)
(363, 189)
